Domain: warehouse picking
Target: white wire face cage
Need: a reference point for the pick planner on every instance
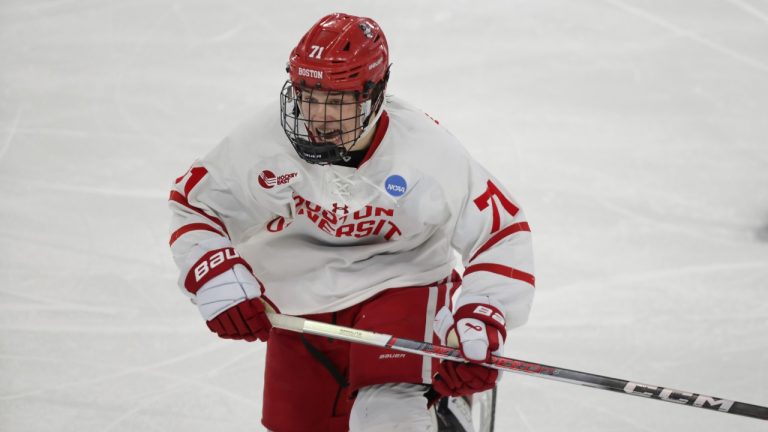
(323, 126)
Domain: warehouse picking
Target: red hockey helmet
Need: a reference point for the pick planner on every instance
(340, 53)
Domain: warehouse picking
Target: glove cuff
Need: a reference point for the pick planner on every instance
(210, 265)
(483, 309)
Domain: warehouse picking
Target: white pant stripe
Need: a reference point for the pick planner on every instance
(426, 366)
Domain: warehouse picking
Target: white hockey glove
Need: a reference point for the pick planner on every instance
(480, 327)
(228, 296)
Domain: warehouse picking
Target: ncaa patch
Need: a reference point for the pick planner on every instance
(395, 185)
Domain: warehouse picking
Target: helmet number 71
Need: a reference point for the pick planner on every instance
(317, 51)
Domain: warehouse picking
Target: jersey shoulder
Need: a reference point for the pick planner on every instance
(413, 137)
(256, 142)
(415, 133)
(255, 162)
(258, 137)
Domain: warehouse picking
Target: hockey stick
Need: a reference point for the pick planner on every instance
(506, 364)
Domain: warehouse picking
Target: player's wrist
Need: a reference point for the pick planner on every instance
(211, 265)
(220, 279)
(479, 325)
(481, 308)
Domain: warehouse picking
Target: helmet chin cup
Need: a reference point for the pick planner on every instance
(319, 153)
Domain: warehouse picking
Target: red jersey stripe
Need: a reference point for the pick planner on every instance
(517, 227)
(192, 227)
(179, 179)
(181, 199)
(381, 129)
(503, 271)
(196, 174)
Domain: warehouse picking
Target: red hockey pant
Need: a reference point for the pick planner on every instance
(310, 381)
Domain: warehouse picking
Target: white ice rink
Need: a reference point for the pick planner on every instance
(634, 132)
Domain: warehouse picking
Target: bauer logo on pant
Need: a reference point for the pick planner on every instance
(395, 185)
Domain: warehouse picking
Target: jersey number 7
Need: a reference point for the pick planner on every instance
(491, 196)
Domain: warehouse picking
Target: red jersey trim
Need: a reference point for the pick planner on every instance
(181, 199)
(499, 236)
(381, 129)
(196, 174)
(192, 227)
(503, 271)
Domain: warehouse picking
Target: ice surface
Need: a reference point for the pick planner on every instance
(630, 129)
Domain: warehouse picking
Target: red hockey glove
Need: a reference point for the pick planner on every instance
(228, 296)
(479, 326)
(245, 320)
(462, 379)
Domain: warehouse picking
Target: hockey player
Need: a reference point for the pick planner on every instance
(353, 220)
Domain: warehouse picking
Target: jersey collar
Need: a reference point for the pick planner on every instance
(381, 129)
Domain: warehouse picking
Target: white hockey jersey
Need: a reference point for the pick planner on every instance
(322, 238)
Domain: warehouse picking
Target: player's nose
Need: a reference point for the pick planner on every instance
(321, 113)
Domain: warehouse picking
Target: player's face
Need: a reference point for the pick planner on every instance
(332, 117)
